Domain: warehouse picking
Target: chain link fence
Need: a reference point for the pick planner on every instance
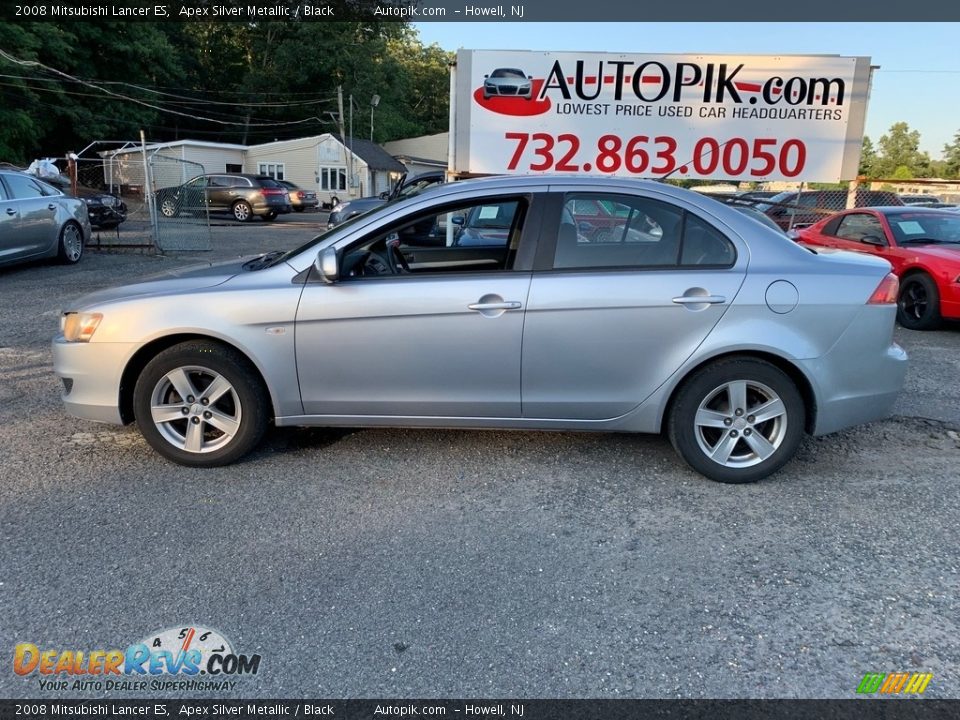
(118, 213)
(803, 206)
(179, 225)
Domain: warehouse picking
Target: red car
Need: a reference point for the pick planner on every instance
(922, 244)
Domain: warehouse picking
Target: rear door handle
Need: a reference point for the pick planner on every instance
(699, 299)
(11, 211)
(51, 206)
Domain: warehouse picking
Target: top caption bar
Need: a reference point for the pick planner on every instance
(482, 11)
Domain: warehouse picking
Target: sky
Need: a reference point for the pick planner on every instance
(917, 82)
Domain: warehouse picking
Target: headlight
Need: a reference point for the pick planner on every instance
(92, 201)
(79, 327)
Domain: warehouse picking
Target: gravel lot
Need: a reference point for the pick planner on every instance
(416, 563)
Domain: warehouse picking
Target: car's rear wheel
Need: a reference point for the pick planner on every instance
(918, 306)
(201, 404)
(299, 209)
(70, 246)
(737, 420)
(270, 216)
(242, 210)
(169, 208)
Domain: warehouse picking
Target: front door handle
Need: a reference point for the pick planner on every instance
(51, 206)
(699, 299)
(11, 211)
(506, 305)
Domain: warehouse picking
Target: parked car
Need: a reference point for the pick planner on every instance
(794, 210)
(38, 221)
(507, 82)
(403, 189)
(723, 333)
(107, 211)
(300, 199)
(243, 196)
(922, 245)
(919, 198)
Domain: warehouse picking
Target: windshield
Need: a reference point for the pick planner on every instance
(934, 227)
(508, 73)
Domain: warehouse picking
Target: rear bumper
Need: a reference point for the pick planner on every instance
(858, 379)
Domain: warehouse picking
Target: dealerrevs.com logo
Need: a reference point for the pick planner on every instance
(183, 658)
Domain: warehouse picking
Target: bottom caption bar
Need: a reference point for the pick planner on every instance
(859, 709)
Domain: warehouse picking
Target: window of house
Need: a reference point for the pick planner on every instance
(333, 179)
(232, 168)
(274, 170)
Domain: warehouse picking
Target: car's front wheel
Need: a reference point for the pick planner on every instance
(70, 248)
(918, 306)
(737, 420)
(201, 404)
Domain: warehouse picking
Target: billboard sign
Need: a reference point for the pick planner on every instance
(740, 117)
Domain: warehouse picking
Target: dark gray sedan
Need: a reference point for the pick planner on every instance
(714, 329)
(38, 221)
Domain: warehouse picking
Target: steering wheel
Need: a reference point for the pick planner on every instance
(398, 263)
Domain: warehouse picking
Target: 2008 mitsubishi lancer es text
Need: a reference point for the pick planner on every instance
(686, 317)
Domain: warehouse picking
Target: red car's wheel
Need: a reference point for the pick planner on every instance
(918, 306)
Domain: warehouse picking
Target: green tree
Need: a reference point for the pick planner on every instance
(868, 158)
(901, 147)
(951, 156)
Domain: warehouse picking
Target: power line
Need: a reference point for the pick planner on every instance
(33, 63)
(186, 98)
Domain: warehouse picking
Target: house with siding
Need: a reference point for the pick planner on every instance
(337, 169)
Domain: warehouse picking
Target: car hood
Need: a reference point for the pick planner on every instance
(950, 253)
(192, 277)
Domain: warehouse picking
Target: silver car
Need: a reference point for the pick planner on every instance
(720, 331)
(39, 221)
(507, 82)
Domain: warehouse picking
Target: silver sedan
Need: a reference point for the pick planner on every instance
(38, 221)
(719, 331)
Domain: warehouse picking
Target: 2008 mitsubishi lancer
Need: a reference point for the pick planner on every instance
(686, 317)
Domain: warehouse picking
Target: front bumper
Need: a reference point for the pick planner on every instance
(91, 375)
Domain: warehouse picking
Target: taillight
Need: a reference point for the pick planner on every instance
(886, 292)
(273, 191)
(300, 194)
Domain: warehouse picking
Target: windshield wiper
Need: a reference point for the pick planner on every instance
(264, 261)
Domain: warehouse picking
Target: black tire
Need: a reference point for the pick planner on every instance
(245, 405)
(242, 212)
(70, 244)
(270, 216)
(710, 389)
(169, 207)
(918, 305)
(299, 209)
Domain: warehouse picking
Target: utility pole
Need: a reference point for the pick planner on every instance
(351, 142)
(343, 137)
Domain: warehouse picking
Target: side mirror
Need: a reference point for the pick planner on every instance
(384, 195)
(457, 220)
(872, 240)
(326, 264)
